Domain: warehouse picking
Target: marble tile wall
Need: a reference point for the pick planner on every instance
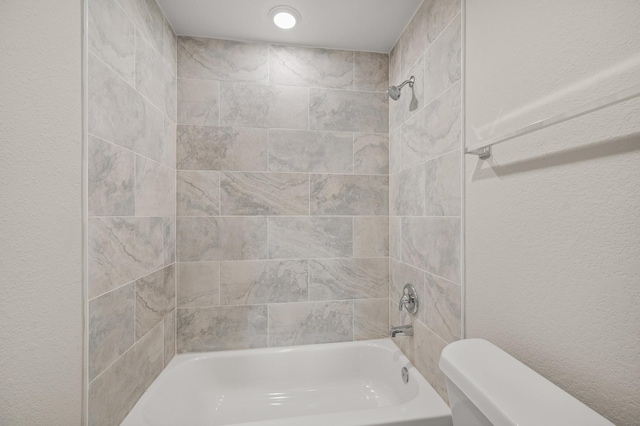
(132, 91)
(425, 160)
(282, 195)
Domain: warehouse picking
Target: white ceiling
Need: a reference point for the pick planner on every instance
(362, 25)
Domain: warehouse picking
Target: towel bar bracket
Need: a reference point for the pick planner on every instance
(482, 153)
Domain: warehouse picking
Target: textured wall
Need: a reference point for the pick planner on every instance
(41, 213)
(424, 184)
(282, 195)
(553, 235)
(131, 202)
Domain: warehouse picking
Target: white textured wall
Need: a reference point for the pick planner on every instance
(553, 219)
(40, 213)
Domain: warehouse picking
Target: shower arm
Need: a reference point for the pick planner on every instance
(409, 82)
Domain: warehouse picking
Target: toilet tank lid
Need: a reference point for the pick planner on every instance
(508, 392)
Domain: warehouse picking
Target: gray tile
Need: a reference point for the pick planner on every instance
(349, 195)
(371, 236)
(114, 393)
(371, 71)
(406, 188)
(221, 238)
(310, 151)
(212, 59)
(370, 319)
(395, 238)
(170, 47)
(399, 275)
(442, 61)
(198, 102)
(347, 111)
(155, 298)
(155, 189)
(221, 328)
(256, 281)
(221, 148)
(198, 193)
(264, 193)
(121, 250)
(308, 237)
(310, 322)
(395, 70)
(169, 337)
(338, 279)
(155, 79)
(304, 66)
(434, 130)
(112, 37)
(111, 328)
(168, 150)
(442, 185)
(440, 308)
(411, 99)
(119, 114)
(395, 151)
(149, 20)
(169, 239)
(254, 105)
(110, 179)
(433, 244)
(428, 347)
(198, 284)
(371, 154)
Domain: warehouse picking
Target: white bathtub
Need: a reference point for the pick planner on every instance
(337, 384)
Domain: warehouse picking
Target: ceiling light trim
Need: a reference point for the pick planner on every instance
(284, 17)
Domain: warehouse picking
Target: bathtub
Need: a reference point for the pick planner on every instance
(336, 384)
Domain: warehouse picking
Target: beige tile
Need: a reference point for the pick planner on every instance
(135, 245)
(371, 236)
(349, 195)
(371, 154)
(442, 61)
(198, 102)
(258, 194)
(371, 319)
(198, 193)
(110, 179)
(414, 242)
(168, 149)
(255, 282)
(406, 188)
(114, 393)
(310, 322)
(169, 239)
(337, 279)
(253, 105)
(395, 238)
(111, 327)
(223, 238)
(155, 189)
(395, 151)
(212, 59)
(347, 111)
(170, 47)
(149, 20)
(371, 71)
(428, 347)
(310, 151)
(221, 328)
(442, 250)
(155, 298)
(309, 237)
(154, 78)
(221, 148)
(198, 284)
(305, 66)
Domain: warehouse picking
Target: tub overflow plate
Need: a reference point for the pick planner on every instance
(405, 374)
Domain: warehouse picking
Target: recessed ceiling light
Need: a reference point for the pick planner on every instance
(284, 17)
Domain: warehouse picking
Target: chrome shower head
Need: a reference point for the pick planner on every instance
(394, 91)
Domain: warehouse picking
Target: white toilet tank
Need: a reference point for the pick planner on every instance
(488, 387)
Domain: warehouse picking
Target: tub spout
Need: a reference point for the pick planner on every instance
(402, 330)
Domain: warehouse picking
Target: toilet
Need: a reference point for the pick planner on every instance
(488, 387)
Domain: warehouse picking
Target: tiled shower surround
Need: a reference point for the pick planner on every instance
(131, 203)
(424, 183)
(298, 218)
(282, 195)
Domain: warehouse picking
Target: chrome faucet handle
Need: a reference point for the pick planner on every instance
(409, 299)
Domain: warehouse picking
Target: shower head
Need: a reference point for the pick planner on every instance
(394, 91)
